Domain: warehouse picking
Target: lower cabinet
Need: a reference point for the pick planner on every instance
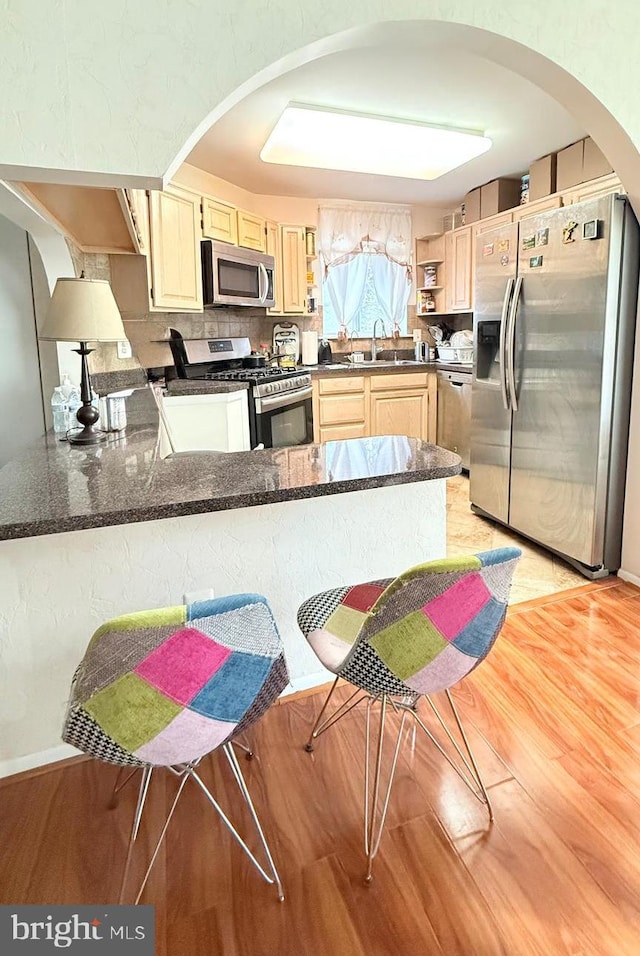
(383, 403)
(399, 405)
(339, 408)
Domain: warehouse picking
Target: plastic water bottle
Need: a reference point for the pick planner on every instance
(74, 404)
(60, 411)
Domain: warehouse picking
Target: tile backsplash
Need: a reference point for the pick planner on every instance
(148, 331)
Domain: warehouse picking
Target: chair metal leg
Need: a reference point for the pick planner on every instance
(320, 726)
(142, 797)
(120, 785)
(184, 773)
(472, 777)
(244, 790)
(247, 750)
(374, 817)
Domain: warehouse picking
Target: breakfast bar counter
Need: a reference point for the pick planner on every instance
(88, 534)
(56, 487)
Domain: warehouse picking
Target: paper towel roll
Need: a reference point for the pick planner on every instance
(309, 348)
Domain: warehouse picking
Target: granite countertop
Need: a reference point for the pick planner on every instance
(383, 367)
(56, 487)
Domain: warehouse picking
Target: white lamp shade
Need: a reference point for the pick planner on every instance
(83, 310)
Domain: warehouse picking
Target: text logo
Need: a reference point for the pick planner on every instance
(119, 930)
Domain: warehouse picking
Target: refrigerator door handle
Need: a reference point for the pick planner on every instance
(503, 335)
(511, 337)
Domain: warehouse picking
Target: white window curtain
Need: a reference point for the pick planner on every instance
(351, 238)
(397, 287)
(347, 229)
(345, 288)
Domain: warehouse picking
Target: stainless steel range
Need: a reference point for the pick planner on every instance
(280, 409)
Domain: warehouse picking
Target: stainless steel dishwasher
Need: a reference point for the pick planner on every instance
(454, 412)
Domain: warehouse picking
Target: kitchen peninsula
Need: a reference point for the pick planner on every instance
(87, 534)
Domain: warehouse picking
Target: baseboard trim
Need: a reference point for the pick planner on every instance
(629, 578)
(42, 762)
(610, 582)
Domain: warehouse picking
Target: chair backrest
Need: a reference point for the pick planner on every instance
(168, 686)
(432, 625)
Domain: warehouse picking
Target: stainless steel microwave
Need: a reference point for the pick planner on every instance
(234, 276)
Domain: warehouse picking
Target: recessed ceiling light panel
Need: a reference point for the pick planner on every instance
(354, 142)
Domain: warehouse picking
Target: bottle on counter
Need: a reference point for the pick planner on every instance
(59, 411)
(74, 402)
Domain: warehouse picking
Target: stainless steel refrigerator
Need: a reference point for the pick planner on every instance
(554, 323)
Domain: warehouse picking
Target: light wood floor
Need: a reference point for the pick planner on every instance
(554, 714)
(539, 572)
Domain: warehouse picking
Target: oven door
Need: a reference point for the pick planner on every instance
(285, 419)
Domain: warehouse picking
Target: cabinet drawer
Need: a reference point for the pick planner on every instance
(341, 432)
(385, 382)
(331, 386)
(335, 409)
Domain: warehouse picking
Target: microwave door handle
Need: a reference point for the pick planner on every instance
(503, 337)
(511, 343)
(262, 272)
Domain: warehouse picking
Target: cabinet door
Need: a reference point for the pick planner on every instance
(458, 270)
(176, 271)
(593, 189)
(272, 241)
(535, 207)
(251, 231)
(219, 221)
(403, 412)
(294, 269)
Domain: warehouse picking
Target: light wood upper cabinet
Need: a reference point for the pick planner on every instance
(219, 221)
(176, 271)
(593, 189)
(251, 231)
(294, 269)
(535, 207)
(458, 293)
(484, 225)
(274, 248)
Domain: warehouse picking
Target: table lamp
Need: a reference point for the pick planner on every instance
(84, 310)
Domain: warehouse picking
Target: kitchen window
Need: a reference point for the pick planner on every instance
(358, 292)
(365, 252)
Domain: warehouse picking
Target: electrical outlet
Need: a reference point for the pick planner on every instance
(192, 597)
(124, 349)
(417, 335)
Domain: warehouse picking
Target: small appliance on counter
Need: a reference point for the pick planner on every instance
(286, 344)
(324, 353)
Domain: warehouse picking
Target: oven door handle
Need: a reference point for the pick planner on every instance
(282, 399)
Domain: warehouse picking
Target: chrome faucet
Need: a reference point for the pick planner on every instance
(374, 346)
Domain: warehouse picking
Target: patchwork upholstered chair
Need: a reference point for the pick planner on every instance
(402, 639)
(164, 688)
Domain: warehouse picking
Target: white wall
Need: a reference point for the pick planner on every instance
(21, 407)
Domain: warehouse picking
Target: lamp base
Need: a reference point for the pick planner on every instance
(88, 436)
